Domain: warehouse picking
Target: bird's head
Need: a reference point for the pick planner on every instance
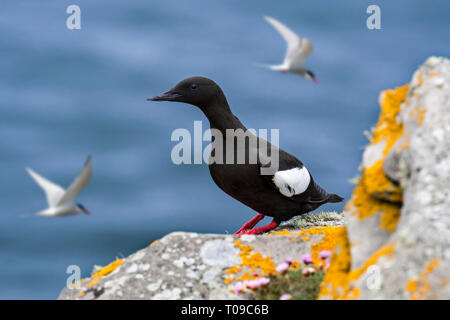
(310, 75)
(81, 208)
(198, 91)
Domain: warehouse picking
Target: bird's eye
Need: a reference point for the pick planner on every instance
(193, 86)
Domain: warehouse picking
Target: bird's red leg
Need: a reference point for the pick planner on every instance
(259, 230)
(250, 224)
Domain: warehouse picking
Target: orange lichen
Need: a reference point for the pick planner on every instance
(228, 280)
(422, 112)
(339, 281)
(375, 193)
(433, 74)
(417, 113)
(419, 288)
(154, 242)
(335, 283)
(255, 264)
(378, 185)
(387, 250)
(419, 79)
(233, 269)
(363, 205)
(284, 232)
(295, 265)
(96, 277)
(327, 241)
(387, 130)
(81, 293)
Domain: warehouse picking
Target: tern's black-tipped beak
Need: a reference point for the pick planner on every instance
(166, 96)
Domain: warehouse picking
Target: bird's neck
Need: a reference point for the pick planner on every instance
(220, 115)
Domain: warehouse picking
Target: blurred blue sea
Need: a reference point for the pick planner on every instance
(65, 94)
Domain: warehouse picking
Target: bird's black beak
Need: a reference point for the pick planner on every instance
(166, 96)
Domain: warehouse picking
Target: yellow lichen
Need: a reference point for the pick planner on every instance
(81, 293)
(433, 74)
(96, 277)
(417, 113)
(375, 193)
(339, 281)
(228, 280)
(335, 282)
(255, 264)
(295, 265)
(387, 130)
(326, 242)
(378, 185)
(363, 205)
(387, 250)
(419, 288)
(233, 269)
(421, 117)
(419, 79)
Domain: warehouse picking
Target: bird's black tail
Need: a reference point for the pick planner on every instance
(334, 198)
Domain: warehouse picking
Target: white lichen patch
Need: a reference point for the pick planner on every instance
(219, 252)
(373, 153)
(248, 237)
(183, 261)
(154, 286)
(169, 294)
(133, 268)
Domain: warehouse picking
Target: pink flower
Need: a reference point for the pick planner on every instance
(288, 260)
(240, 286)
(286, 297)
(253, 284)
(282, 267)
(307, 258)
(324, 254)
(263, 281)
(308, 271)
(250, 284)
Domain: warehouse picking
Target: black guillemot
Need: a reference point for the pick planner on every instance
(282, 193)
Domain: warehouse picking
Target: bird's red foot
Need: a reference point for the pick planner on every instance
(259, 230)
(249, 225)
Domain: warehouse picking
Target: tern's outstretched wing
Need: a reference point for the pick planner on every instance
(53, 191)
(79, 183)
(298, 49)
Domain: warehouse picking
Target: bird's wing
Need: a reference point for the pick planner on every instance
(79, 183)
(290, 177)
(298, 49)
(53, 191)
(292, 182)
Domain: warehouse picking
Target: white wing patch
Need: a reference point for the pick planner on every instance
(293, 181)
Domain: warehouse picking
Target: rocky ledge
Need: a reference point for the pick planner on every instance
(394, 244)
(185, 265)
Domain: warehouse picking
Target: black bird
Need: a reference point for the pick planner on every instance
(280, 188)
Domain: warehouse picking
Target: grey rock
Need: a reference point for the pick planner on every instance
(422, 236)
(192, 266)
